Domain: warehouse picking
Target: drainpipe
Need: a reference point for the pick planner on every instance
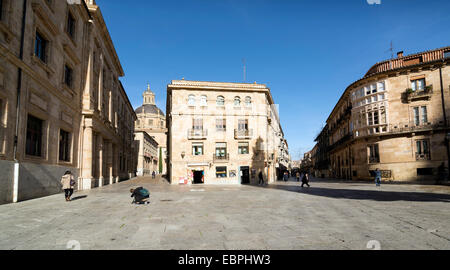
(19, 88)
(446, 140)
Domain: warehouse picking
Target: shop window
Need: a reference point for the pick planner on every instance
(221, 172)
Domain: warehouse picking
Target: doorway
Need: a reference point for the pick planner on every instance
(245, 175)
(198, 177)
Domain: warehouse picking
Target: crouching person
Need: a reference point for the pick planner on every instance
(141, 195)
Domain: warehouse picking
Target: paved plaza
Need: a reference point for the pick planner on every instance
(329, 215)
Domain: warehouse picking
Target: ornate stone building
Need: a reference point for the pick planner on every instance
(152, 120)
(223, 133)
(147, 153)
(62, 106)
(394, 119)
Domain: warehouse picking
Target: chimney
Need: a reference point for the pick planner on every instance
(400, 54)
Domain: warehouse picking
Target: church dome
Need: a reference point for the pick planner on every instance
(149, 108)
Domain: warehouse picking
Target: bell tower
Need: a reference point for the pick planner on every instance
(149, 96)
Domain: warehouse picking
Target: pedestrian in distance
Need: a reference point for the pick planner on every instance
(141, 195)
(261, 178)
(286, 176)
(377, 177)
(153, 174)
(68, 183)
(297, 175)
(305, 180)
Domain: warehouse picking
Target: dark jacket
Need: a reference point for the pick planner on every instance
(137, 194)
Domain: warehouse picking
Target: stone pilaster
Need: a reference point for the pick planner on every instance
(86, 170)
(100, 160)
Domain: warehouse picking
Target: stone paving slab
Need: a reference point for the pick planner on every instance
(329, 215)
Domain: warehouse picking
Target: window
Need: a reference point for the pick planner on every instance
(221, 149)
(243, 148)
(367, 89)
(70, 25)
(243, 124)
(374, 156)
(221, 125)
(248, 101)
(197, 124)
(191, 100)
(64, 146)
(424, 171)
(424, 114)
(1, 10)
(373, 88)
(237, 101)
(197, 149)
(34, 136)
(220, 101)
(420, 115)
(68, 76)
(422, 150)
(150, 122)
(381, 86)
(203, 101)
(221, 172)
(447, 54)
(40, 47)
(418, 85)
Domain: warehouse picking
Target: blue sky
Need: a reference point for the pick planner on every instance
(306, 51)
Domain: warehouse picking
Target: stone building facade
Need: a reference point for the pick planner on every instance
(152, 120)
(62, 106)
(223, 133)
(394, 119)
(148, 153)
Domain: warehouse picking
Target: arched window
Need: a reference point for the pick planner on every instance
(220, 101)
(248, 101)
(191, 100)
(203, 100)
(237, 101)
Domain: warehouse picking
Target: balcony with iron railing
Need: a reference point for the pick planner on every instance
(221, 158)
(374, 159)
(411, 95)
(423, 156)
(197, 134)
(243, 133)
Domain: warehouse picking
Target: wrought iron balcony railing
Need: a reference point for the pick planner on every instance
(423, 156)
(221, 158)
(243, 133)
(374, 160)
(426, 93)
(197, 134)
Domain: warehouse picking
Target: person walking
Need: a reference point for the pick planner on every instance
(261, 178)
(286, 176)
(377, 177)
(68, 183)
(153, 174)
(297, 175)
(305, 179)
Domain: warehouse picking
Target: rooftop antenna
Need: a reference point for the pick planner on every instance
(245, 70)
(391, 49)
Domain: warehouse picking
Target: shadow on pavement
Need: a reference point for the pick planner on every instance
(79, 198)
(355, 194)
